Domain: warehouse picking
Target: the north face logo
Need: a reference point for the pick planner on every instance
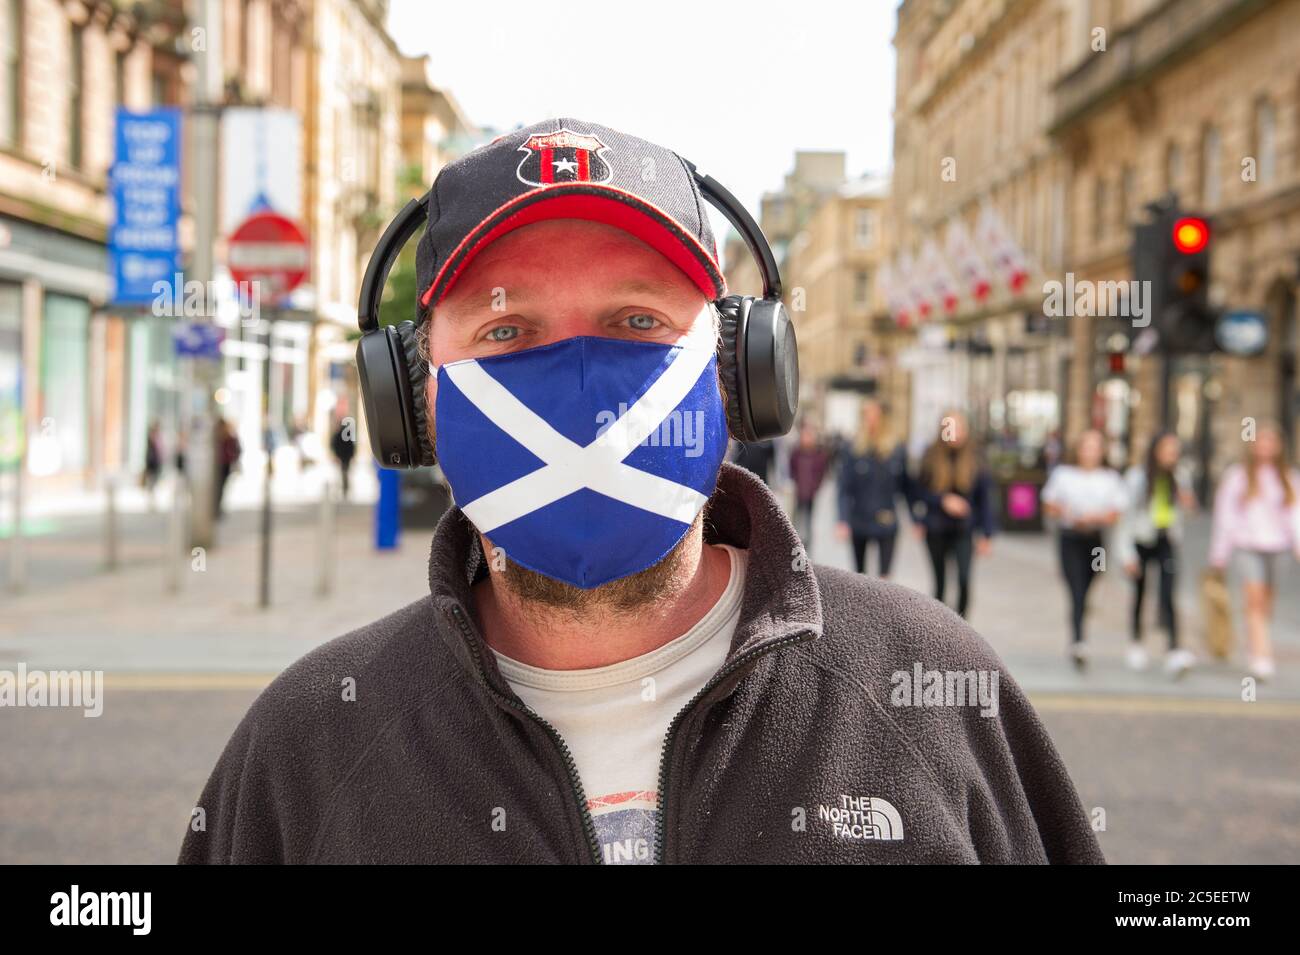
(563, 156)
(863, 818)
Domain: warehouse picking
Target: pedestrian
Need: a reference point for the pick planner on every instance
(344, 446)
(153, 460)
(228, 451)
(809, 461)
(1149, 531)
(626, 653)
(1086, 498)
(954, 495)
(1256, 523)
(871, 476)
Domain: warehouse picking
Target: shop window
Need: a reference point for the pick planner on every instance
(11, 363)
(60, 444)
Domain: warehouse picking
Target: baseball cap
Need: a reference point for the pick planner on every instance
(564, 169)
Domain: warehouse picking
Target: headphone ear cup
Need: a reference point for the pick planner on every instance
(771, 366)
(417, 377)
(392, 391)
(733, 312)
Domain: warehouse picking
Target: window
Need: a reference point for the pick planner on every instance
(1211, 173)
(1099, 198)
(1173, 167)
(159, 88)
(11, 79)
(861, 287)
(119, 77)
(864, 228)
(76, 77)
(1265, 141)
(1127, 196)
(64, 395)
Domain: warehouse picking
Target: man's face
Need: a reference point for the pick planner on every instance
(560, 279)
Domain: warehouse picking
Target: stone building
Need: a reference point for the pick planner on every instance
(1200, 98)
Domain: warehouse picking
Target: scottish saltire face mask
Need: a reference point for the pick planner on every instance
(587, 459)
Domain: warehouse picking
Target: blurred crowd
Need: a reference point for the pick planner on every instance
(1133, 518)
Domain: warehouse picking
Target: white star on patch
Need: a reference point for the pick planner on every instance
(565, 165)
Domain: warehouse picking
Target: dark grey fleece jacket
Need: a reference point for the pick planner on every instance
(800, 749)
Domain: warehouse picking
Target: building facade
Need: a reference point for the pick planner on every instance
(66, 389)
(1200, 99)
(971, 147)
(848, 346)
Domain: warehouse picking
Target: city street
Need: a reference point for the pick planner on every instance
(1161, 759)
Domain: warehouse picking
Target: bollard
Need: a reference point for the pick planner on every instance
(388, 509)
(17, 549)
(174, 548)
(325, 540)
(110, 523)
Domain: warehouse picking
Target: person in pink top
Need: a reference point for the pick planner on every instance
(1257, 518)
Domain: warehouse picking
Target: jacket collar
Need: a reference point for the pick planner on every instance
(780, 597)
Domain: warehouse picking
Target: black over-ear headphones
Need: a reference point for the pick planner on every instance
(758, 358)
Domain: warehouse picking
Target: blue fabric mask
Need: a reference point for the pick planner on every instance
(587, 459)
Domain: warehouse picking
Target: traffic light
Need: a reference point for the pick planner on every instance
(1171, 251)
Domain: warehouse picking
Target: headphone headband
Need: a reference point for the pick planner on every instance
(407, 222)
(735, 213)
(398, 233)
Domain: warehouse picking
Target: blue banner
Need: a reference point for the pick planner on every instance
(198, 340)
(144, 185)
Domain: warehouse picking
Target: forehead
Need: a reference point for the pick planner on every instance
(573, 256)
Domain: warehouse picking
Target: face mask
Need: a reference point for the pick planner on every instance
(585, 460)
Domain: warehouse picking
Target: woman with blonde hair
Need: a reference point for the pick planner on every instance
(1257, 518)
(1150, 531)
(871, 476)
(953, 494)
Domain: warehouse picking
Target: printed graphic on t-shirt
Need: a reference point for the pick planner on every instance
(625, 826)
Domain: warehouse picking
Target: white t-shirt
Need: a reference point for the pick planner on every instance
(1081, 492)
(614, 718)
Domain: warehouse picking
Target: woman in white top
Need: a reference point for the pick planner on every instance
(1086, 498)
(1257, 518)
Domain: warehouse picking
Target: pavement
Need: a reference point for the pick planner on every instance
(76, 614)
(1019, 604)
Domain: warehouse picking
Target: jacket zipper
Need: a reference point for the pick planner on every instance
(665, 757)
(570, 766)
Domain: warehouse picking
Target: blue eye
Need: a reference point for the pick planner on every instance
(503, 333)
(642, 322)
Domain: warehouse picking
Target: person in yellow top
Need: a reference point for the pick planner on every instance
(1150, 531)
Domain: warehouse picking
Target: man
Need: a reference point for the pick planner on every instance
(648, 672)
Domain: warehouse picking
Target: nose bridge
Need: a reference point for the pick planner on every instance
(572, 321)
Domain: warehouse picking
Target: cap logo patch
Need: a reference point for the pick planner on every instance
(563, 156)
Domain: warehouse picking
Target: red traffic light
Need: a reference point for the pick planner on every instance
(1191, 235)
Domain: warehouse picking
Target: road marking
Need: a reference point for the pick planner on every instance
(1047, 702)
(187, 681)
(1206, 706)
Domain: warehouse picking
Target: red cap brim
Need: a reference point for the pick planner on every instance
(593, 202)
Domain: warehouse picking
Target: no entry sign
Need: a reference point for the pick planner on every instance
(269, 249)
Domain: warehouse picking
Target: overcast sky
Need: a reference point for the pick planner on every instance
(734, 87)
